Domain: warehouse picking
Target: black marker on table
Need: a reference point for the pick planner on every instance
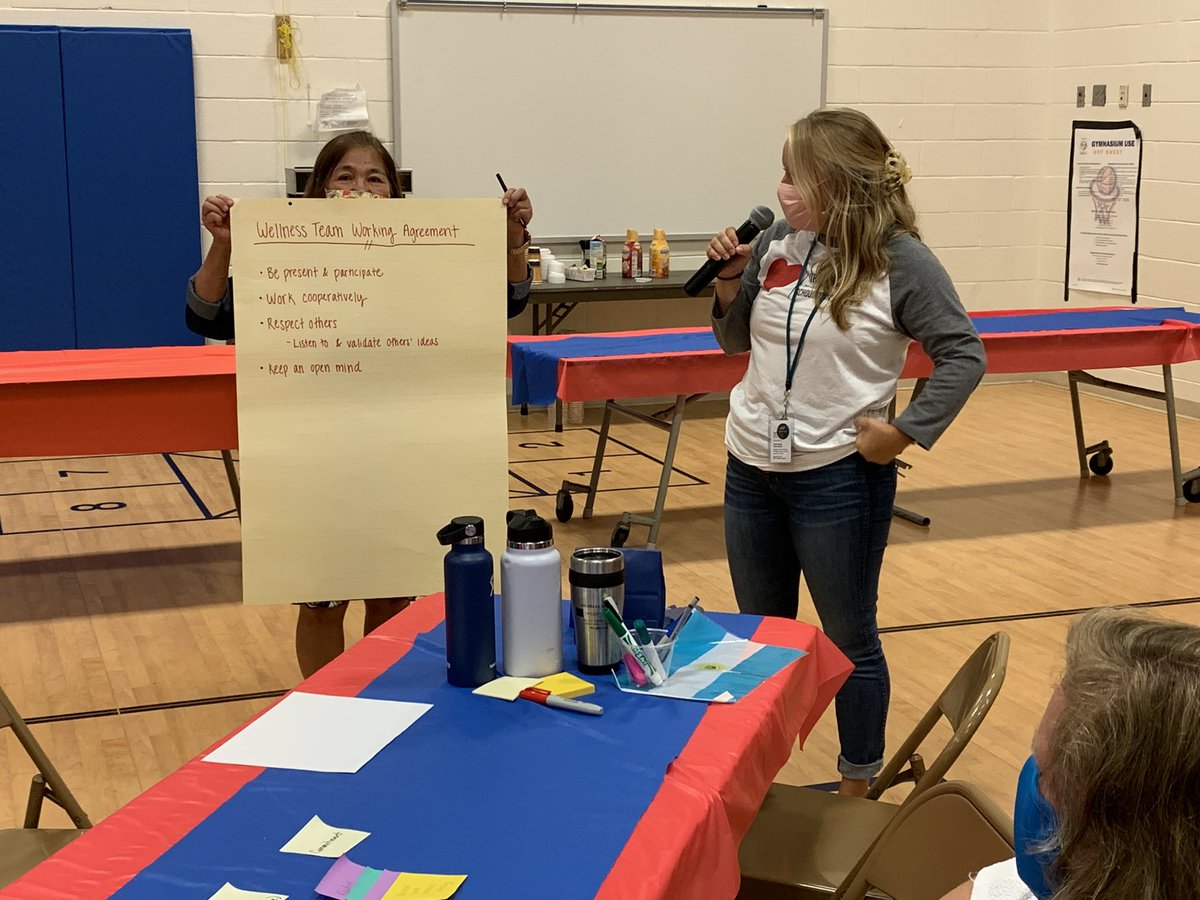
(504, 187)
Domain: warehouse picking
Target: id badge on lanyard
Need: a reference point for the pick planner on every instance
(779, 439)
(780, 429)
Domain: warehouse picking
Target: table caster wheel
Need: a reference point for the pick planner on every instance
(1101, 463)
(620, 535)
(564, 505)
(1191, 490)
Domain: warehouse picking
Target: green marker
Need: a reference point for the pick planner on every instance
(642, 632)
(613, 618)
(647, 642)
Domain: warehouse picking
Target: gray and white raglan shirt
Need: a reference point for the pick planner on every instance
(842, 375)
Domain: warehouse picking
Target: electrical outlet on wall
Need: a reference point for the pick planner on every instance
(1081, 96)
(1145, 95)
(1123, 97)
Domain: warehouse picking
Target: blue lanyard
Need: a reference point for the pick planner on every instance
(792, 361)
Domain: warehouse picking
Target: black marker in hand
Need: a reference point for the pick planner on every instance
(504, 187)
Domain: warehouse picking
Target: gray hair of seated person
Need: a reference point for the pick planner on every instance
(1123, 767)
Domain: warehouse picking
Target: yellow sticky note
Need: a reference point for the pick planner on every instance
(424, 887)
(319, 839)
(566, 685)
(506, 687)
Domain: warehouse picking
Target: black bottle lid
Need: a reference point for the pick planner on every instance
(525, 526)
(462, 530)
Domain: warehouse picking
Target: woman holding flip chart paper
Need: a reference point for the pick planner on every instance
(352, 164)
(827, 302)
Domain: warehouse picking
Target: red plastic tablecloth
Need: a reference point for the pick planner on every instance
(101, 402)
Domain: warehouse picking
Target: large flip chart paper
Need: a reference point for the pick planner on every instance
(371, 392)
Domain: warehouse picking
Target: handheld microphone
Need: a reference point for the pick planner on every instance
(760, 217)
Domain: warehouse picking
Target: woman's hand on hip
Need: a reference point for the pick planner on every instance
(879, 441)
(214, 215)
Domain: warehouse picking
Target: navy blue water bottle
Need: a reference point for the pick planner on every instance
(470, 609)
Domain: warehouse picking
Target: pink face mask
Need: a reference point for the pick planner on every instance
(794, 209)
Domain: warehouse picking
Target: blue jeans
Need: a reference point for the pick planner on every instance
(831, 524)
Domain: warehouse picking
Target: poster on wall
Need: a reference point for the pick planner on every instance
(370, 388)
(1102, 208)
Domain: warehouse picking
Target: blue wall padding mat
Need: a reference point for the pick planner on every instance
(130, 109)
(37, 309)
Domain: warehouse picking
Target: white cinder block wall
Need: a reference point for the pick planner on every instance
(1114, 43)
(979, 95)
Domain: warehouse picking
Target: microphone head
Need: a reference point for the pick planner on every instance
(762, 217)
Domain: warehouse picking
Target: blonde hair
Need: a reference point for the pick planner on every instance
(1124, 759)
(853, 179)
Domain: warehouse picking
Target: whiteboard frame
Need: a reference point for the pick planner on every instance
(816, 14)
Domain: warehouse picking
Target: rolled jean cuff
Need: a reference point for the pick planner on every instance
(848, 769)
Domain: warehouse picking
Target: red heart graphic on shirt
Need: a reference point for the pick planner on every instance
(781, 273)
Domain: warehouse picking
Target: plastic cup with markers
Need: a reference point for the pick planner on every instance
(657, 650)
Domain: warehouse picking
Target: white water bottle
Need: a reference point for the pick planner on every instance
(531, 598)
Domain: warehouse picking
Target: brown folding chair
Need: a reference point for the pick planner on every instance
(810, 843)
(23, 848)
(934, 844)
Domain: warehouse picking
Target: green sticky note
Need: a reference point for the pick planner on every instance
(365, 882)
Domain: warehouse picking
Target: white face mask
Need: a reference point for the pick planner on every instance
(794, 208)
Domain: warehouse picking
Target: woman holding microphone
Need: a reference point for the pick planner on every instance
(827, 302)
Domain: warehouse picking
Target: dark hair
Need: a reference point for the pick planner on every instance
(331, 154)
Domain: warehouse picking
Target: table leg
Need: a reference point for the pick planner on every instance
(598, 460)
(1077, 416)
(664, 480)
(235, 486)
(1173, 434)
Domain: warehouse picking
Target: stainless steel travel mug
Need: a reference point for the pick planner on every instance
(596, 573)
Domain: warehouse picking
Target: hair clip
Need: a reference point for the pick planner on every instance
(896, 170)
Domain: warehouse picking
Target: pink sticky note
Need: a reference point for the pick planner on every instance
(380, 887)
(340, 878)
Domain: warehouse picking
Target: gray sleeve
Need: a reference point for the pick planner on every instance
(204, 308)
(732, 329)
(926, 307)
(519, 290)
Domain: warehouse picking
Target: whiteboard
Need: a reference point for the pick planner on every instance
(613, 117)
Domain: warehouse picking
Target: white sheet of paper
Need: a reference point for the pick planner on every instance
(506, 687)
(342, 109)
(229, 892)
(318, 733)
(370, 389)
(319, 839)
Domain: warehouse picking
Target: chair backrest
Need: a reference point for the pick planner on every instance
(54, 787)
(934, 844)
(965, 703)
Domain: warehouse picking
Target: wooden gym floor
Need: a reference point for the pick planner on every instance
(123, 640)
